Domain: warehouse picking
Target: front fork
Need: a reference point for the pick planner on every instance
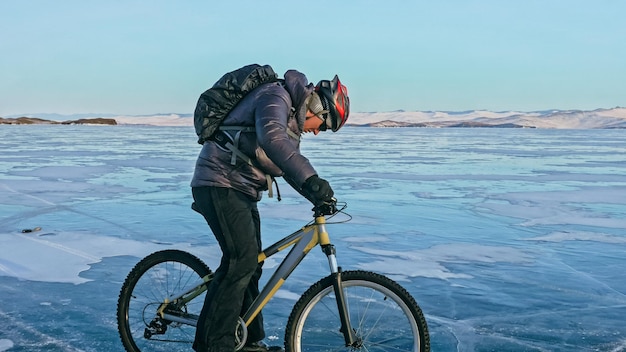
(344, 316)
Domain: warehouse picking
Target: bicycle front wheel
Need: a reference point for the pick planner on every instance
(384, 316)
(153, 280)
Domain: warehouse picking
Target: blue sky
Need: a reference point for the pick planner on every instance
(145, 57)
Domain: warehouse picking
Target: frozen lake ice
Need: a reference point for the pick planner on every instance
(509, 239)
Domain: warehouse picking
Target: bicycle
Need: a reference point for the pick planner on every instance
(163, 294)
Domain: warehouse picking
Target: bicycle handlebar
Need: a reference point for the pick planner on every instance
(328, 208)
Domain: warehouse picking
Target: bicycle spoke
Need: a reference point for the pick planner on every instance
(149, 285)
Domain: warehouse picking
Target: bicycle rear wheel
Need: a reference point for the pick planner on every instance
(384, 316)
(146, 287)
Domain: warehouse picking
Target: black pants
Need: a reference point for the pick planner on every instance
(234, 220)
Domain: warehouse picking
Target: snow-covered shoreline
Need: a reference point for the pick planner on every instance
(552, 119)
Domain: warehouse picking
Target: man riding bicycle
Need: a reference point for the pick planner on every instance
(228, 183)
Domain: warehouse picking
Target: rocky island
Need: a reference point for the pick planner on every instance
(38, 121)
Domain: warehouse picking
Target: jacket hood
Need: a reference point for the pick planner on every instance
(299, 88)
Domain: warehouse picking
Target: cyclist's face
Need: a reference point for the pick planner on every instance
(312, 123)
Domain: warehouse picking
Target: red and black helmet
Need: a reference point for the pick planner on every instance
(334, 97)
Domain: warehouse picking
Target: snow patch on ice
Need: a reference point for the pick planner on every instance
(362, 239)
(429, 262)
(286, 294)
(61, 258)
(571, 207)
(5, 344)
(562, 236)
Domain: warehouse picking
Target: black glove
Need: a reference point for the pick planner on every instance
(317, 190)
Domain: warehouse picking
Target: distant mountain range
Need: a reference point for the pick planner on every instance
(561, 119)
(564, 119)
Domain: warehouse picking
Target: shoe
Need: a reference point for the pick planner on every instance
(261, 346)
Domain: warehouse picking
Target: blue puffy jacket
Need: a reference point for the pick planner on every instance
(273, 151)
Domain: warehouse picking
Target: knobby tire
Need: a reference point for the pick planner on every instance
(384, 316)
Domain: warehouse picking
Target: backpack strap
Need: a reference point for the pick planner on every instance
(245, 129)
(231, 143)
(237, 128)
(293, 135)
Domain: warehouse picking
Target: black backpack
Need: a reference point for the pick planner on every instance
(216, 102)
